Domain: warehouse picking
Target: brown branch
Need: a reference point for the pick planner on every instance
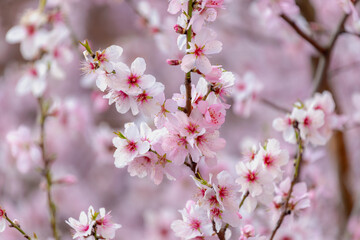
(274, 105)
(286, 211)
(304, 35)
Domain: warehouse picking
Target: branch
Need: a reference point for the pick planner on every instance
(188, 106)
(47, 167)
(298, 160)
(17, 227)
(274, 105)
(304, 35)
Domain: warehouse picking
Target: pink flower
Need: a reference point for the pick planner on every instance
(34, 80)
(168, 107)
(195, 222)
(132, 81)
(108, 58)
(83, 227)
(285, 125)
(204, 44)
(253, 177)
(123, 102)
(273, 157)
(129, 146)
(209, 144)
(105, 228)
(214, 115)
(309, 123)
(24, 149)
(29, 34)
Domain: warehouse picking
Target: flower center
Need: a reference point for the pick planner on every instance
(131, 147)
(307, 121)
(268, 160)
(133, 80)
(195, 224)
(198, 51)
(251, 176)
(30, 30)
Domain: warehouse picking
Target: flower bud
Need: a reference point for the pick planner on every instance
(179, 29)
(173, 62)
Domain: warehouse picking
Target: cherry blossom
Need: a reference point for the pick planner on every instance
(34, 80)
(104, 226)
(204, 44)
(132, 81)
(253, 177)
(83, 227)
(195, 222)
(129, 145)
(273, 157)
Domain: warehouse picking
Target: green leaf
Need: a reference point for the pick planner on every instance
(87, 47)
(120, 135)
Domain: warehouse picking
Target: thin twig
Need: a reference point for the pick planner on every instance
(274, 105)
(17, 227)
(47, 168)
(286, 211)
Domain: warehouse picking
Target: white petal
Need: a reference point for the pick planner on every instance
(213, 47)
(138, 67)
(203, 64)
(16, 34)
(188, 62)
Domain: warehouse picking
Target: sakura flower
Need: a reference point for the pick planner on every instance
(285, 125)
(104, 226)
(253, 177)
(148, 101)
(123, 102)
(108, 58)
(248, 233)
(28, 34)
(299, 199)
(214, 115)
(198, 93)
(226, 190)
(129, 145)
(195, 222)
(273, 157)
(204, 44)
(309, 123)
(168, 107)
(23, 148)
(2, 220)
(209, 144)
(132, 81)
(83, 227)
(34, 80)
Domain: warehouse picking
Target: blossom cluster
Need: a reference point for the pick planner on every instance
(44, 39)
(93, 225)
(315, 119)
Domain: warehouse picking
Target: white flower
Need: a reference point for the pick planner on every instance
(129, 147)
(204, 44)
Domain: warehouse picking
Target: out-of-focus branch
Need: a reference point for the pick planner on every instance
(17, 227)
(286, 211)
(304, 35)
(274, 105)
(47, 167)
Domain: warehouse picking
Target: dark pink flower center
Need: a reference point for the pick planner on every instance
(30, 29)
(101, 57)
(121, 95)
(33, 72)
(131, 147)
(251, 176)
(198, 51)
(268, 160)
(195, 224)
(307, 121)
(223, 192)
(191, 128)
(143, 97)
(133, 80)
(2, 213)
(215, 212)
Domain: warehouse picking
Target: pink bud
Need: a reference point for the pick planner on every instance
(179, 29)
(69, 179)
(173, 62)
